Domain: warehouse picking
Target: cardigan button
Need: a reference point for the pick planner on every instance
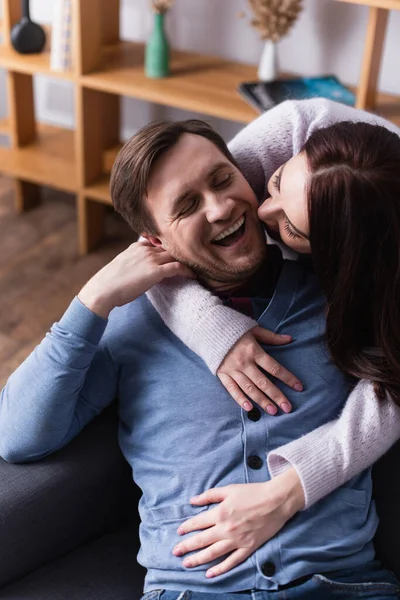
(254, 414)
(254, 462)
(268, 568)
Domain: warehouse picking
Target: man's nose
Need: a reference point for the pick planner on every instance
(218, 208)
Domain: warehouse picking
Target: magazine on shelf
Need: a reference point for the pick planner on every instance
(264, 95)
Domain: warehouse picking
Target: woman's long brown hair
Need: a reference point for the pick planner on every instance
(354, 215)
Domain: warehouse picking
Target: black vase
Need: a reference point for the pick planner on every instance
(27, 37)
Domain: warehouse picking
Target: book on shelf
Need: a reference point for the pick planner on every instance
(264, 95)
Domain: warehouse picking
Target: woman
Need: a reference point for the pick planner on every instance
(337, 195)
(342, 193)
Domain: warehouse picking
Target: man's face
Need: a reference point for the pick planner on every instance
(206, 213)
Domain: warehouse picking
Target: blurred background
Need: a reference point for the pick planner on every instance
(56, 224)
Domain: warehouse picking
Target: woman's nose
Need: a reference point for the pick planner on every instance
(267, 209)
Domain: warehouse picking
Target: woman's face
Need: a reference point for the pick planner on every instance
(285, 212)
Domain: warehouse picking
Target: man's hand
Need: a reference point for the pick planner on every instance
(240, 372)
(128, 276)
(247, 516)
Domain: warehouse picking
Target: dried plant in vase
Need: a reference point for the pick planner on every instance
(272, 19)
(160, 7)
(157, 48)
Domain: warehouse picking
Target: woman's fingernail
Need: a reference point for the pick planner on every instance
(194, 499)
(286, 407)
(298, 387)
(187, 563)
(247, 405)
(176, 552)
(210, 574)
(181, 531)
(286, 336)
(271, 410)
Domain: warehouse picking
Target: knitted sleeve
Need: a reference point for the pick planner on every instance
(277, 135)
(335, 452)
(197, 317)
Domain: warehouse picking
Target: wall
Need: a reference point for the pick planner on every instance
(328, 38)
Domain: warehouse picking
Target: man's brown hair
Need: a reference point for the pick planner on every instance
(133, 166)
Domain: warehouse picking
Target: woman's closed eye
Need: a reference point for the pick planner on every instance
(276, 181)
(289, 231)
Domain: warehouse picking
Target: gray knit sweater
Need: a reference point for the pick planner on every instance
(332, 454)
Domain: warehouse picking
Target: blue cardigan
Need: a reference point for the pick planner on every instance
(182, 433)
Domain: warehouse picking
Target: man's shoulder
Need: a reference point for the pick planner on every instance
(137, 319)
(135, 327)
(130, 313)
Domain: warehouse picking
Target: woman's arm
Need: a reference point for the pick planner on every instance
(196, 316)
(180, 301)
(199, 318)
(303, 472)
(334, 453)
(280, 133)
(192, 313)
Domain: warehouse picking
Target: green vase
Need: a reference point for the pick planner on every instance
(156, 60)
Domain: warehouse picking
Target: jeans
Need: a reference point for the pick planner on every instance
(369, 581)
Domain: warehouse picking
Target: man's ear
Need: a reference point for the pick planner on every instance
(154, 241)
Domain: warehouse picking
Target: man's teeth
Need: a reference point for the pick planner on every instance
(230, 230)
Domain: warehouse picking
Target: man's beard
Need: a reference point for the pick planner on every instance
(223, 273)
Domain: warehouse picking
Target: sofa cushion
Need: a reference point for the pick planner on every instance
(105, 569)
(50, 507)
(386, 476)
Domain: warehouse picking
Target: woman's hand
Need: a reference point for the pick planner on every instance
(241, 375)
(247, 516)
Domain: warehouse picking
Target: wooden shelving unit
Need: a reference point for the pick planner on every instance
(48, 160)
(105, 68)
(4, 127)
(367, 96)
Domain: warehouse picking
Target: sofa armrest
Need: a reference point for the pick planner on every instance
(50, 507)
(386, 477)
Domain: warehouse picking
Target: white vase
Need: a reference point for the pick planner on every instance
(268, 65)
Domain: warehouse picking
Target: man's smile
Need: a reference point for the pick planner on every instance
(231, 234)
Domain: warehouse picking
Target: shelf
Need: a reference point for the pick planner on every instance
(58, 158)
(203, 84)
(388, 107)
(47, 161)
(386, 4)
(109, 157)
(4, 127)
(100, 190)
(30, 64)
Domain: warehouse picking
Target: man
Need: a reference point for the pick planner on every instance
(180, 431)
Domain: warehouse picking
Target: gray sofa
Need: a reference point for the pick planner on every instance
(69, 523)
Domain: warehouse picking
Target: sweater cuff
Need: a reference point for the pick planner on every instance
(313, 463)
(82, 322)
(213, 344)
